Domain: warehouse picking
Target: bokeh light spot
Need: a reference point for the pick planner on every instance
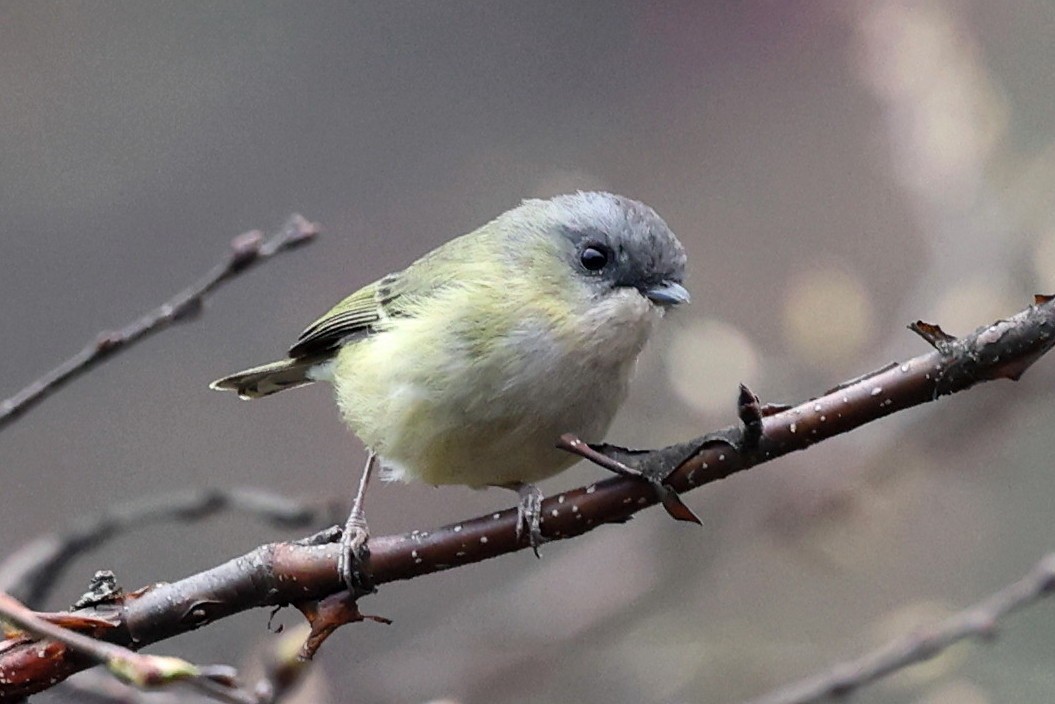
(828, 316)
(705, 358)
(965, 306)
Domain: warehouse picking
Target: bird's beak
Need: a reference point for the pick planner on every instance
(667, 293)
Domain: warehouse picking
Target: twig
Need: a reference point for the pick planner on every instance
(285, 573)
(29, 573)
(247, 250)
(142, 671)
(979, 621)
(284, 670)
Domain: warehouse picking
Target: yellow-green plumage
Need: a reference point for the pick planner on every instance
(508, 385)
(468, 365)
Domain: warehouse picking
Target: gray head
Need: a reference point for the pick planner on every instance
(612, 242)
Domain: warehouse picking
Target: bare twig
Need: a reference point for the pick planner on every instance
(29, 573)
(247, 250)
(284, 670)
(142, 671)
(285, 573)
(980, 621)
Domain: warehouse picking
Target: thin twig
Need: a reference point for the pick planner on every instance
(247, 250)
(142, 671)
(284, 668)
(29, 573)
(293, 573)
(979, 621)
(284, 671)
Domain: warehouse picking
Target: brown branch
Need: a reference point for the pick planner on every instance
(285, 573)
(979, 621)
(142, 671)
(247, 250)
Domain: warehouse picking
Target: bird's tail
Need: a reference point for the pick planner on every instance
(268, 379)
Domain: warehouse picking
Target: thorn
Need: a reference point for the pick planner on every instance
(327, 616)
(669, 498)
(569, 442)
(747, 407)
(675, 507)
(933, 334)
(271, 620)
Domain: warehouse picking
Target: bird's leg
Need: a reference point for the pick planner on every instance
(354, 551)
(529, 512)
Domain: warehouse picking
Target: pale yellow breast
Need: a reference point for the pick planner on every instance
(440, 406)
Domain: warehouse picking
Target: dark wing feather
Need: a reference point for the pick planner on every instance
(355, 316)
(367, 310)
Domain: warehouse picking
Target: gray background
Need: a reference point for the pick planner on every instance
(834, 169)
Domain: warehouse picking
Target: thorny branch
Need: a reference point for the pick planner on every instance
(979, 621)
(300, 573)
(247, 250)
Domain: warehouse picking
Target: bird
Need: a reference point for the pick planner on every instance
(467, 366)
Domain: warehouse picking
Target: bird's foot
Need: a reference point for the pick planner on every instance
(355, 555)
(529, 514)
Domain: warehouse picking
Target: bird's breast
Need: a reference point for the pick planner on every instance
(447, 406)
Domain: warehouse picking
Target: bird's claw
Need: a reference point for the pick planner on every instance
(354, 556)
(529, 515)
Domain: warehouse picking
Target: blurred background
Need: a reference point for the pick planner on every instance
(835, 170)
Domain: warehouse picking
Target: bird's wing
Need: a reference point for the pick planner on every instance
(401, 294)
(355, 316)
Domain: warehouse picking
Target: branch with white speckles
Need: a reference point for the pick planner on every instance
(303, 573)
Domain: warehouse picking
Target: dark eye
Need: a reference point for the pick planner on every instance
(594, 257)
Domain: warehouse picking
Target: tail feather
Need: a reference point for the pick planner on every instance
(268, 379)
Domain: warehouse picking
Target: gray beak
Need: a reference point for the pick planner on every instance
(667, 293)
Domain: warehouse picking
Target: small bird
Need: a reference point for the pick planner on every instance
(468, 365)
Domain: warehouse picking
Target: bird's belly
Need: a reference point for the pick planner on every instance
(483, 419)
(443, 439)
(481, 454)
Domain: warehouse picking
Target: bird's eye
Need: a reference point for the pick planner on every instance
(594, 257)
